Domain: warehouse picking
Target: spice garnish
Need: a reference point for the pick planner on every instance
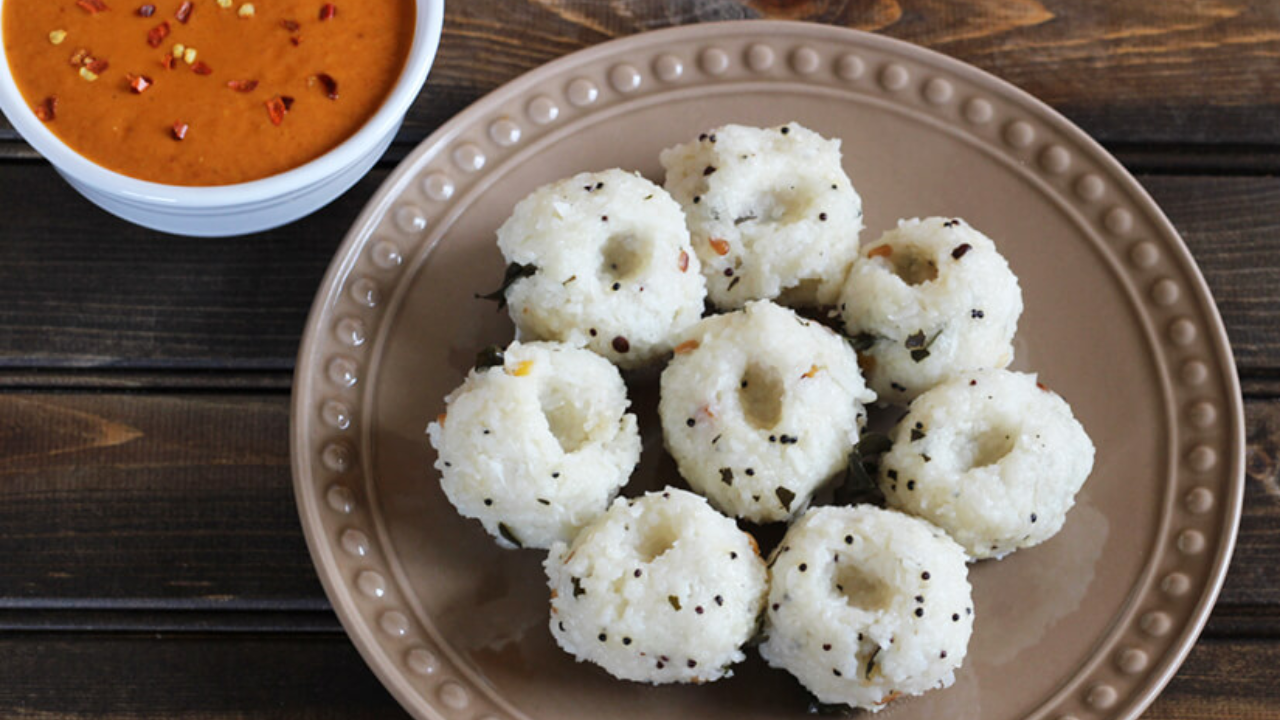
(621, 344)
(490, 356)
(881, 251)
(93, 7)
(813, 370)
(78, 57)
(871, 662)
(675, 602)
(524, 368)
(726, 475)
(96, 65)
(515, 271)
(179, 131)
(242, 85)
(57, 36)
(683, 263)
(201, 68)
(224, 4)
(88, 74)
(686, 346)
(276, 109)
(245, 11)
(897, 693)
(47, 110)
(157, 34)
(146, 10)
(919, 346)
(785, 497)
(290, 25)
(507, 535)
(184, 11)
(189, 56)
(327, 11)
(330, 85)
(961, 250)
(719, 246)
(138, 83)
(167, 61)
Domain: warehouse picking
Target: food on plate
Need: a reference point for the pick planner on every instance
(601, 260)
(771, 212)
(929, 300)
(992, 457)
(866, 605)
(205, 93)
(759, 408)
(536, 442)
(660, 589)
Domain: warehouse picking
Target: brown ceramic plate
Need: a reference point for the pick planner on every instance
(1118, 320)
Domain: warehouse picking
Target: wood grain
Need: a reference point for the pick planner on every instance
(117, 501)
(189, 508)
(192, 677)
(144, 300)
(319, 678)
(1180, 71)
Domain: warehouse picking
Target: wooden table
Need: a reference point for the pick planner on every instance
(151, 562)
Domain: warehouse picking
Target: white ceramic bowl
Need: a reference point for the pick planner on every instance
(223, 210)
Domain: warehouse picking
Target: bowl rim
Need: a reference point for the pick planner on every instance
(428, 25)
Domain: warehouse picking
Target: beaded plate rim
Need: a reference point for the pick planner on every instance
(343, 533)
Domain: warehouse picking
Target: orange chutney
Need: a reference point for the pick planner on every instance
(205, 92)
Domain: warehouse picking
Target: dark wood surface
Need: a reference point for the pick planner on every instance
(152, 562)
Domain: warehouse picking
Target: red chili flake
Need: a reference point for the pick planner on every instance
(1042, 386)
(168, 61)
(684, 261)
(93, 7)
(78, 57)
(179, 130)
(184, 11)
(330, 85)
(719, 246)
(157, 34)
(147, 10)
(276, 109)
(327, 11)
(96, 65)
(290, 25)
(242, 85)
(881, 251)
(201, 68)
(288, 101)
(295, 40)
(138, 83)
(47, 110)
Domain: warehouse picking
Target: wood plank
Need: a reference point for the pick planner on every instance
(1157, 72)
(147, 301)
(117, 500)
(192, 677)
(81, 288)
(317, 678)
(144, 503)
